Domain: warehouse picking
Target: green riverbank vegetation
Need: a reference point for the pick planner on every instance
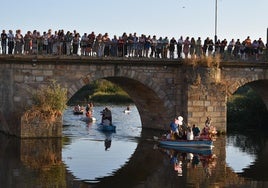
(100, 91)
(246, 109)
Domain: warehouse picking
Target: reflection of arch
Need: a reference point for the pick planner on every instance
(153, 103)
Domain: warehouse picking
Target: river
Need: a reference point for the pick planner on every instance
(129, 157)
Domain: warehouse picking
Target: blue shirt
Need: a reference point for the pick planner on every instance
(173, 127)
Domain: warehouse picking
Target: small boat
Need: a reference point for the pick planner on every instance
(186, 143)
(127, 111)
(78, 110)
(193, 150)
(88, 119)
(107, 128)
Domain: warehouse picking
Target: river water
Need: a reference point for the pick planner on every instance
(129, 157)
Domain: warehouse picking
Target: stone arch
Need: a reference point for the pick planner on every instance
(259, 85)
(152, 102)
(239, 83)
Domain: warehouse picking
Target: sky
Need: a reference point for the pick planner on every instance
(236, 19)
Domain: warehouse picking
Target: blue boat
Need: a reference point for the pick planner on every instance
(177, 144)
(200, 151)
(108, 128)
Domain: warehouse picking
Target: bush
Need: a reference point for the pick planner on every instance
(49, 101)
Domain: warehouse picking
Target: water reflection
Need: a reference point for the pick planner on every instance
(179, 159)
(88, 160)
(246, 156)
(31, 162)
(85, 158)
(108, 140)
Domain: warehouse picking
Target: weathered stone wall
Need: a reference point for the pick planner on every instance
(206, 96)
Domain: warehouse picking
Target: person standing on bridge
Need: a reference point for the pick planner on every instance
(19, 42)
(27, 42)
(172, 44)
(192, 48)
(4, 42)
(198, 47)
(153, 46)
(186, 47)
(11, 42)
(248, 47)
(75, 44)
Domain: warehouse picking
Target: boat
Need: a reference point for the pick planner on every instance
(177, 144)
(127, 111)
(106, 121)
(88, 119)
(106, 128)
(193, 150)
(78, 110)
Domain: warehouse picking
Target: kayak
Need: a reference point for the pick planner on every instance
(105, 128)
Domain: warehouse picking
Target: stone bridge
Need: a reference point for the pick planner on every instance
(161, 89)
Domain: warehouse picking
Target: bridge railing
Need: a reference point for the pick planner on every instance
(225, 56)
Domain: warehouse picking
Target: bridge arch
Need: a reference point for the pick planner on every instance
(233, 87)
(153, 103)
(259, 85)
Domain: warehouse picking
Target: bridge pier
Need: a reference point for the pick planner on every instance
(205, 95)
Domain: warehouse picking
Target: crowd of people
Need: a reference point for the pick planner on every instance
(126, 45)
(179, 130)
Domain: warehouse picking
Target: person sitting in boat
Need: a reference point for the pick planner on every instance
(205, 133)
(106, 116)
(89, 114)
(128, 108)
(190, 135)
(196, 131)
(77, 108)
(89, 107)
